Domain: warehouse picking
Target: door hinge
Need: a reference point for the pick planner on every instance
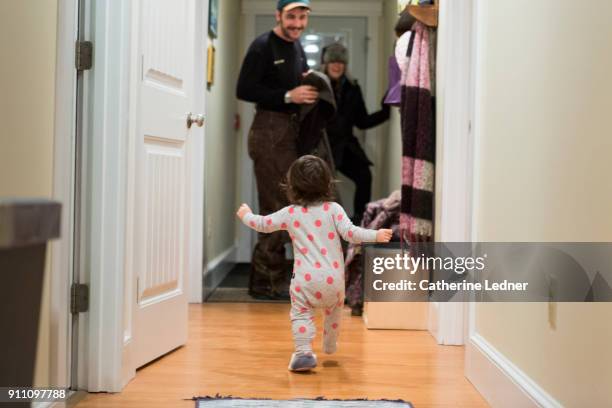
(79, 298)
(83, 55)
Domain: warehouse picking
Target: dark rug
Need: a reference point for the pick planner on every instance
(320, 402)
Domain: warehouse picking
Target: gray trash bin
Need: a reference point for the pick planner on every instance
(25, 227)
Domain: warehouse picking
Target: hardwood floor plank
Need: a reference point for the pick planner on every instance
(243, 350)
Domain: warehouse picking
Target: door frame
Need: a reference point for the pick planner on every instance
(250, 9)
(64, 157)
(105, 142)
(455, 170)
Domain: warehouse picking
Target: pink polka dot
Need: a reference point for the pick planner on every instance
(318, 295)
(340, 217)
(312, 318)
(350, 234)
(331, 235)
(335, 325)
(296, 224)
(336, 264)
(303, 309)
(330, 280)
(318, 223)
(298, 289)
(327, 312)
(268, 221)
(304, 210)
(291, 210)
(307, 277)
(252, 224)
(326, 207)
(303, 329)
(284, 225)
(317, 265)
(324, 251)
(310, 237)
(304, 251)
(298, 262)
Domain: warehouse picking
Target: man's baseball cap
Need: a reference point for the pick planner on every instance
(286, 5)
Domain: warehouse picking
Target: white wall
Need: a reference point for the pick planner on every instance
(27, 93)
(221, 138)
(544, 170)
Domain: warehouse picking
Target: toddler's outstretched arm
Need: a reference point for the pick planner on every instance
(354, 234)
(260, 223)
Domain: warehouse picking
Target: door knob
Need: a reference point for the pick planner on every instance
(195, 119)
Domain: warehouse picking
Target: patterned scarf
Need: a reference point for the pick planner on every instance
(418, 137)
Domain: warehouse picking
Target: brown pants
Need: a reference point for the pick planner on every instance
(272, 146)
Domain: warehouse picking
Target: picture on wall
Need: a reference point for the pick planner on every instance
(213, 13)
(210, 70)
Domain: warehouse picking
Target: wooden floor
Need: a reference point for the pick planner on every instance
(243, 350)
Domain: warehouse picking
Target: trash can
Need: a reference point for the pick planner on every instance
(25, 227)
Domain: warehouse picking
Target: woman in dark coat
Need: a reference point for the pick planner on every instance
(349, 157)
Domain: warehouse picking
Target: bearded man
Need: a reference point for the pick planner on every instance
(270, 77)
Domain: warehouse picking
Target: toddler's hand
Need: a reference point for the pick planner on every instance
(383, 235)
(243, 210)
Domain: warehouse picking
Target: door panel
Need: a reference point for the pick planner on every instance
(169, 49)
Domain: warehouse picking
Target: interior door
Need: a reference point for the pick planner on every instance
(168, 165)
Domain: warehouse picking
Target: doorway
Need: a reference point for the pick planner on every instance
(351, 31)
(359, 29)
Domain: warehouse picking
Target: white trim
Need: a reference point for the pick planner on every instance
(478, 41)
(373, 140)
(223, 256)
(320, 7)
(48, 404)
(106, 141)
(455, 151)
(197, 234)
(63, 191)
(218, 269)
(501, 382)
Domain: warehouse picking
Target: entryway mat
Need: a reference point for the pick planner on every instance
(231, 402)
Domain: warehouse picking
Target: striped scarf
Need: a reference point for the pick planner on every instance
(418, 137)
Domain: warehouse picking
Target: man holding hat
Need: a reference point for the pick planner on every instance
(270, 77)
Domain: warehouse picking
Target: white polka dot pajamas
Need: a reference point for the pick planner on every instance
(318, 269)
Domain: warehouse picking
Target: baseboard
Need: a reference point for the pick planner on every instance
(501, 382)
(217, 269)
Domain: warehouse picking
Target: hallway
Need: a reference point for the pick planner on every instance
(243, 350)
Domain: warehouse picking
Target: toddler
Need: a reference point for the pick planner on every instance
(315, 225)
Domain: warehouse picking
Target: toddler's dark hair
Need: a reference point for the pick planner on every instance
(309, 181)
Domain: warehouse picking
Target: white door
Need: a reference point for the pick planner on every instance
(167, 205)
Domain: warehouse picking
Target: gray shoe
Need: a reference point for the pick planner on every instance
(302, 361)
